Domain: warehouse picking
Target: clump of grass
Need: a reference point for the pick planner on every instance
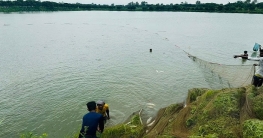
(207, 136)
(194, 93)
(133, 129)
(209, 94)
(32, 135)
(253, 128)
(227, 104)
(257, 106)
(212, 112)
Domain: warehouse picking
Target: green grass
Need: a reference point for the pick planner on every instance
(32, 135)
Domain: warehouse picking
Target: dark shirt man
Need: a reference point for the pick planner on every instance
(91, 122)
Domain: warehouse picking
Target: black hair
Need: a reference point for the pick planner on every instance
(245, 52)
(91, 105)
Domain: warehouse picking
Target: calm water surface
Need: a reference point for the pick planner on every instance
(53, 63)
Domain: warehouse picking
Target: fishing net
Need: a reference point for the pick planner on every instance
(163, 123)
(225, 76)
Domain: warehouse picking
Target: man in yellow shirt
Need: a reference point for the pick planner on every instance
(103, 109)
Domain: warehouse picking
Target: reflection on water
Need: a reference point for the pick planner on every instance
(254, 54)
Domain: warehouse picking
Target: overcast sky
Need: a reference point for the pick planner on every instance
(124, 2)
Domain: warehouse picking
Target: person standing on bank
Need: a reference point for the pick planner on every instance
(258, 76)
(91, 122)
(103, 109)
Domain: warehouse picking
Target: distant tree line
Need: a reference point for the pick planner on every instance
(246, 6)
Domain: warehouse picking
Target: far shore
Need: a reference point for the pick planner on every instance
(36, 6)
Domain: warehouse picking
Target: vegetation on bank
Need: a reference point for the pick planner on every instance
(225, 113)
(31, 135)
(246, 6)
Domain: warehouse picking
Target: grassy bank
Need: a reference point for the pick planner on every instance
(226, 113)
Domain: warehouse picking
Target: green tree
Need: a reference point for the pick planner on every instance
(254, 1)
(220, 7)
(143, 3)
(137, 3)
(247, 1)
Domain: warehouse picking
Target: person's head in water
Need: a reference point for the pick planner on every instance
(91, 105)
(245, 54)
(100, 104)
